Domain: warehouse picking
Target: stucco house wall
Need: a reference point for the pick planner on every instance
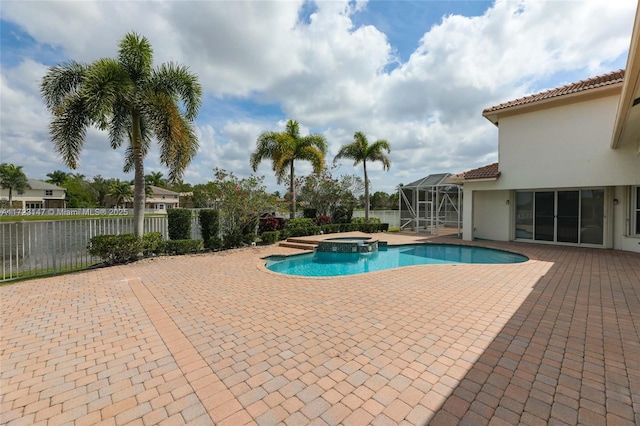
(565, 147)
(558, 145)
(40, 195)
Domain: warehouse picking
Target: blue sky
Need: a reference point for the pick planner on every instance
(417, 73)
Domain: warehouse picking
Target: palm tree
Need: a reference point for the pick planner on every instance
(155, 179)
(284, 148)
(100, 186)
(360, 152)
(57, 177)
(13, 178)
(120, 191)
(133, 101)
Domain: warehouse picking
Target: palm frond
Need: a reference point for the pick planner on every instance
(68, 130)
(176, 80)
(316, 141)
(352, 151)
(106, 84)
(375, 152)
(174, 132)
(314, 156)
(119, 125)
(265, 147)
(60, 82)
(136, 56)
(144, 143)
(293, 129)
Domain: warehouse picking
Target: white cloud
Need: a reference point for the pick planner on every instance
(327, 73)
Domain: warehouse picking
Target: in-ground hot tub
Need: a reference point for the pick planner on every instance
(349, 245)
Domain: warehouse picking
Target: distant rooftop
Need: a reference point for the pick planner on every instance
(38, 184)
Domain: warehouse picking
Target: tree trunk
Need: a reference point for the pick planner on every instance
(10, 197)
(366, 193)
(292, 191)
(138, 163)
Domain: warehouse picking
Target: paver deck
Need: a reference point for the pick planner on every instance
(217, 339)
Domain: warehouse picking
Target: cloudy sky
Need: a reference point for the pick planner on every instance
(417, 73)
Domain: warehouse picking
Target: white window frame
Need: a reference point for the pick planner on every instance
(48, 192)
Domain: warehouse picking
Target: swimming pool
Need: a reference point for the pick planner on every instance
(326, 264)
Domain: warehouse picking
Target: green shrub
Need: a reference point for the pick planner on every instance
(341, 215)
(331, 228)
(370, 227)
(209, 225)
(115, 249)
(348, 227)
(360, 220)
(270, 237)
(384, 227)
(232, 240)
(214, 243)
(152, 243)
(179, 224)
(249, 238)
(184, 246)
(301, 227)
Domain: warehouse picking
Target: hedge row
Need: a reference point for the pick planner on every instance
(123, 248)
(301, 227)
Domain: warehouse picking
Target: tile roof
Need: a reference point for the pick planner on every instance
(608, 79)
(485, 172)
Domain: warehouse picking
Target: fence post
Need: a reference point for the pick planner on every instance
(53, 239)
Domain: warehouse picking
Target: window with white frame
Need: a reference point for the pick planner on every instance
(48, 192)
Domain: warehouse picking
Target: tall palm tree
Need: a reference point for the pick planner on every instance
(13, 178)
(360, 152)
(121, 192)
(133, 101)
(57, 177)
(284, 148)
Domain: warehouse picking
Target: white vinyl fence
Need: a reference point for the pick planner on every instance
(392, 217)
(31, 248)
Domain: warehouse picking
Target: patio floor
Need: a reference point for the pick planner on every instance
(217, 339)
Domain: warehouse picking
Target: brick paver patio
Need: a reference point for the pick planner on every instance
(217, 339)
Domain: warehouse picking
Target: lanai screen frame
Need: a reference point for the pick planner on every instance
(437, 199)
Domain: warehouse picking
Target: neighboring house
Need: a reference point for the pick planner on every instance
(569, 165)
(41, 195)
(160, 199)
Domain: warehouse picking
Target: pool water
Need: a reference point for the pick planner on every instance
(325, 264)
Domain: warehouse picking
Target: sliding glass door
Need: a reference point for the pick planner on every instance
(544, 208)
(571, 216)
(568, 214)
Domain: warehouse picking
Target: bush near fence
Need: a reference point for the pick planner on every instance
(179, 223)
(209, 226)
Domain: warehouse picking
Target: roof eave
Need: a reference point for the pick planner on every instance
(491, 179)
(494, 115)
(630, 88)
